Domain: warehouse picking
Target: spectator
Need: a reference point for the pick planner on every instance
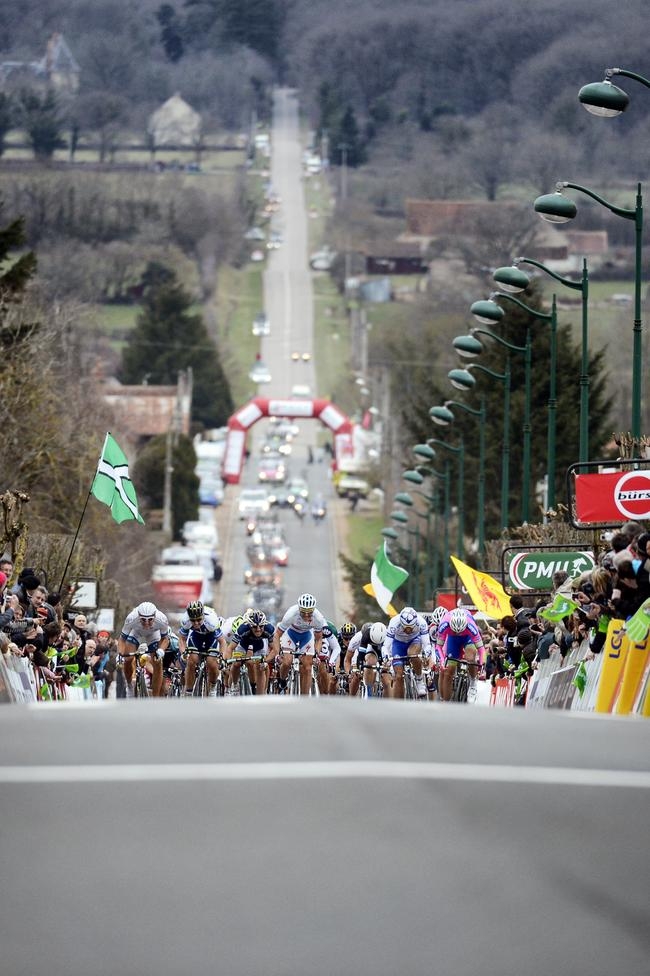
(6, 567)
(27, 584)
(520, 613)
(44, 610)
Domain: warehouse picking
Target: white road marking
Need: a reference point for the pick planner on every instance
(355, 769)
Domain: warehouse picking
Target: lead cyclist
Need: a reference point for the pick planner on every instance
(300, 632)
(459, 638)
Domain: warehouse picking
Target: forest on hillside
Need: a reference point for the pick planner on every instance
(487, 91)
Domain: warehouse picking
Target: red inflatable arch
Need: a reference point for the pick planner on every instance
(258, 407)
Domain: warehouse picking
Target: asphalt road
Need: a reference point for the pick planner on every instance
(282, 837)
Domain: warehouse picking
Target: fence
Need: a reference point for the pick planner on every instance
(20, 681)
(616, 681)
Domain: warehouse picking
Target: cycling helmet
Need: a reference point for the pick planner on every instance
(236, 624)
(247, 615)
(408, 617)
(146, 609)
(458, 620)
(195, 610)
(307, 602)
(377, 633)
(348, 630)
(256, 618)
(437, 616)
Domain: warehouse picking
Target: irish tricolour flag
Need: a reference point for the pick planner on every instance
(112, 484)
(385, 579)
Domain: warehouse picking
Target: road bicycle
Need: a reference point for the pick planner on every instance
(342, 683)
(244, 684)
(175, 685)
(201, 686)
(461, 680)
(140, 685)
(411, 692)
(294, 677)
(376, 688)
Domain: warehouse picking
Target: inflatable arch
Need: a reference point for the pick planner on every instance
(238, 425)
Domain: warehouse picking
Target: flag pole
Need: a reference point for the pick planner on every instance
(76, 535)
(74, 541)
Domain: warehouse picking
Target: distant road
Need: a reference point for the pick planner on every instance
(282, 838)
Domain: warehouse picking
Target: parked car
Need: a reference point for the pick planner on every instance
(252, 502)
(211, 492)
(261, 325)
(349, 486)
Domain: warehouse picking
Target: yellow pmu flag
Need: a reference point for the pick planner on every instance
(485, 592)
(637, 657)
(614, 653)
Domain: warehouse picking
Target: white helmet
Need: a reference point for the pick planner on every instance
(458, 620)
(146, 609)
(377, 633)
(307, 602)
(437, 615)
(408, 617)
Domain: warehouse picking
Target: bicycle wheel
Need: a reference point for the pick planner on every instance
(410, 687)
(294, 682)
(245, 682)
(461, 684)
(141, 690)
(200, 689)
(120, 684)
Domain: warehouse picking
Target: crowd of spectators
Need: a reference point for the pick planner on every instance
(33, 625)
(617, 586)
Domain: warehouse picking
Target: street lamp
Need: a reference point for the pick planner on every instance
(556, 208)
(605, 99)
(444, 416)
(514, 280)
(469, 346)
(415, 477)
(486, 312)
(460, 452)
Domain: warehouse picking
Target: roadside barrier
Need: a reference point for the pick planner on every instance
(616, 681)
(21, 682)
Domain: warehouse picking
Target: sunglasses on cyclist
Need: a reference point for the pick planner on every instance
(308, 614)
(147, 620)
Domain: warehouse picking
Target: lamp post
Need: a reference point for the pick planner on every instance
(557, 208)
(470, 346)
(489, 311)
(444, 416)
(459, 451)
(414, 477)
(514, 280)
(462, 379)
(413, 568)
(605, 99)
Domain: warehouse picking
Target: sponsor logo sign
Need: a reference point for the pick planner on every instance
(534, 570)
(612, 497)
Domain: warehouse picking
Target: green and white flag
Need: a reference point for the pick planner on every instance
(385, 578)
(637, 626)
(561, 607)
(580, 678)
(112, 484)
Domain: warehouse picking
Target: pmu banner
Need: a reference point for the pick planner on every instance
(612, 497)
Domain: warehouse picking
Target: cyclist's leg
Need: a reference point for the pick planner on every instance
(127, 647)
(190, 671)
(399, 651)
(370, 676)
(471, 654)
(213, 667)
(306, 664)
(415, 660)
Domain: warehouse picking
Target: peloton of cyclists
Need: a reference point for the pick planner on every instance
(145, 624)
(200, 631)
(300, 633)
(458, 639)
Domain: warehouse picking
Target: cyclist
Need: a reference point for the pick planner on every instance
(366, 648)
(200, 630)
(171, 659)
(145, 624)
(432, 662)
(251, 639)
(300, 633)
(407, 637)
(458, 638)
(345, 633)
(328, 658)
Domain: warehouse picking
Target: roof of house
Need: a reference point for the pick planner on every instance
(428, 218)
(144, 411)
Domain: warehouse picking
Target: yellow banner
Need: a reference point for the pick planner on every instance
(614, 654)
(485, 592)
(635, 665)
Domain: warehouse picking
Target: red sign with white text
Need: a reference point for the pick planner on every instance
(613, 497)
